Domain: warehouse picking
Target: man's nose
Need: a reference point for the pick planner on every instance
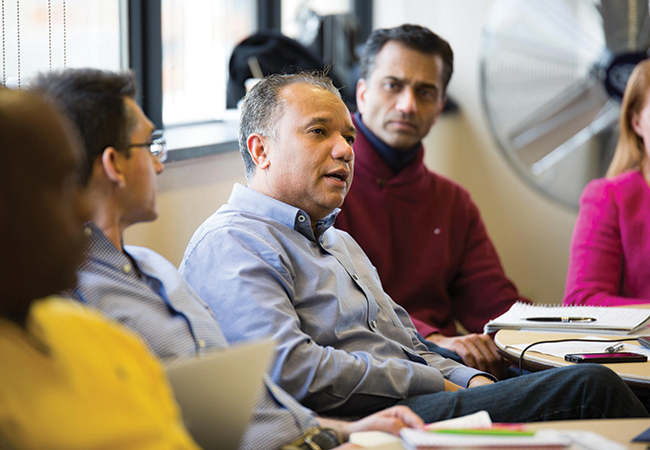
(406, 102)
(342, 150)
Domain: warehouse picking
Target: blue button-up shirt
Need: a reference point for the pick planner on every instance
(344, 346)
(145, 292)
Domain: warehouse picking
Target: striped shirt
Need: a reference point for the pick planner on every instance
(145, 292)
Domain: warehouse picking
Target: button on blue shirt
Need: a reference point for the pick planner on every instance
(344, 346)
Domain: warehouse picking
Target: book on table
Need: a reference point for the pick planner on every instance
(577, 319)
(477, 431)
(427, 440)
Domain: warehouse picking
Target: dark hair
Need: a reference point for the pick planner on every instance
(94, 101)
(414, 37)
(262, 108)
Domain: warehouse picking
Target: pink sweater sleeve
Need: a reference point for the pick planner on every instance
(596, 261)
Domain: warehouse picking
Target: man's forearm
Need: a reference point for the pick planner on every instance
(330, 378)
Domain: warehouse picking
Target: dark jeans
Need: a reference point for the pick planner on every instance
(585, 391)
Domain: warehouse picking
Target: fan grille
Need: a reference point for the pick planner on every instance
(552, 72)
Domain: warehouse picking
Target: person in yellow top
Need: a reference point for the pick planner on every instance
(69, 379)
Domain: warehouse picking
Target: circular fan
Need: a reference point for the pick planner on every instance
(552, 77)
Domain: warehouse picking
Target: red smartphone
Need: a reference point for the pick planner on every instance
(607, 358)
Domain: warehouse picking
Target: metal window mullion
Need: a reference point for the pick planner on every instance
(145, 55)
(269, 15)
(363, 10)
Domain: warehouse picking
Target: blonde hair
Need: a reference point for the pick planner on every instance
(630, 152)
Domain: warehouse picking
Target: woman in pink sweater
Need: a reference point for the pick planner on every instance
(610, 250)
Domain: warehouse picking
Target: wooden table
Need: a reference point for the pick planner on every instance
(636, 375)
(618, 430)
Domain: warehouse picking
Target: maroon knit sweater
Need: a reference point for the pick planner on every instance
(426, 238)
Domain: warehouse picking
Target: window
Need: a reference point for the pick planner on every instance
(329, 29)
(296, 21)
(197, 40)
(39, 35)
(178, 49)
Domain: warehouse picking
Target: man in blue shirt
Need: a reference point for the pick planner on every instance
(139, 287)
(270, 263)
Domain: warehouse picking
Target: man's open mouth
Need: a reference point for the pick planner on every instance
(339, 175)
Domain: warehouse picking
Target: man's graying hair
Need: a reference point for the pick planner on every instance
(414, 37)
(263, 108)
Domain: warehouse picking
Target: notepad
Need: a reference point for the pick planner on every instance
(607, 320)
(421, 440)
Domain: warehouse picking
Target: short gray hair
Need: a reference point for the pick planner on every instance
(262, 108)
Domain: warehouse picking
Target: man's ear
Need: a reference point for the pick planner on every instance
(362, 87)
(258, 149)
(111, 164)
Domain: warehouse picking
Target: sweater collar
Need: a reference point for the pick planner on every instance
(367, 158)
(395, 159)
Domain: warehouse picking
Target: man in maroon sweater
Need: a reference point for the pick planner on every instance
(422, 231)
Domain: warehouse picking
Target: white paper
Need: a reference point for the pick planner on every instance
(419, 438)
(559, 349)
(588, 440)
(479, 419)
(375, 439)
(578, 440)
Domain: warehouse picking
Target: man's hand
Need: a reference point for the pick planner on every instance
(479, 381)
(477, 350)
(390, 420)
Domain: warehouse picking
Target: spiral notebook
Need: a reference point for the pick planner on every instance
(575, 319)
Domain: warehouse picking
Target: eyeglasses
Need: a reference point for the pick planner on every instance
(157, 146)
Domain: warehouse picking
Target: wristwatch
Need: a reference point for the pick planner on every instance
(316, 438)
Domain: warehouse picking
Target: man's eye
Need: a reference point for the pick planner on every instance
(350, 139)
(391, 86)
(318, 131)
(428, 94)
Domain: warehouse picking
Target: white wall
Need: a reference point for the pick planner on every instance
(531, 233)
(188, 192)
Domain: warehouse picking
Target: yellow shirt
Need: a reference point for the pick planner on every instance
(94, 386)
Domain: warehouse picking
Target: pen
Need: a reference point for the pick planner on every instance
(484, 432)
(614, 348)
(561, 319)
